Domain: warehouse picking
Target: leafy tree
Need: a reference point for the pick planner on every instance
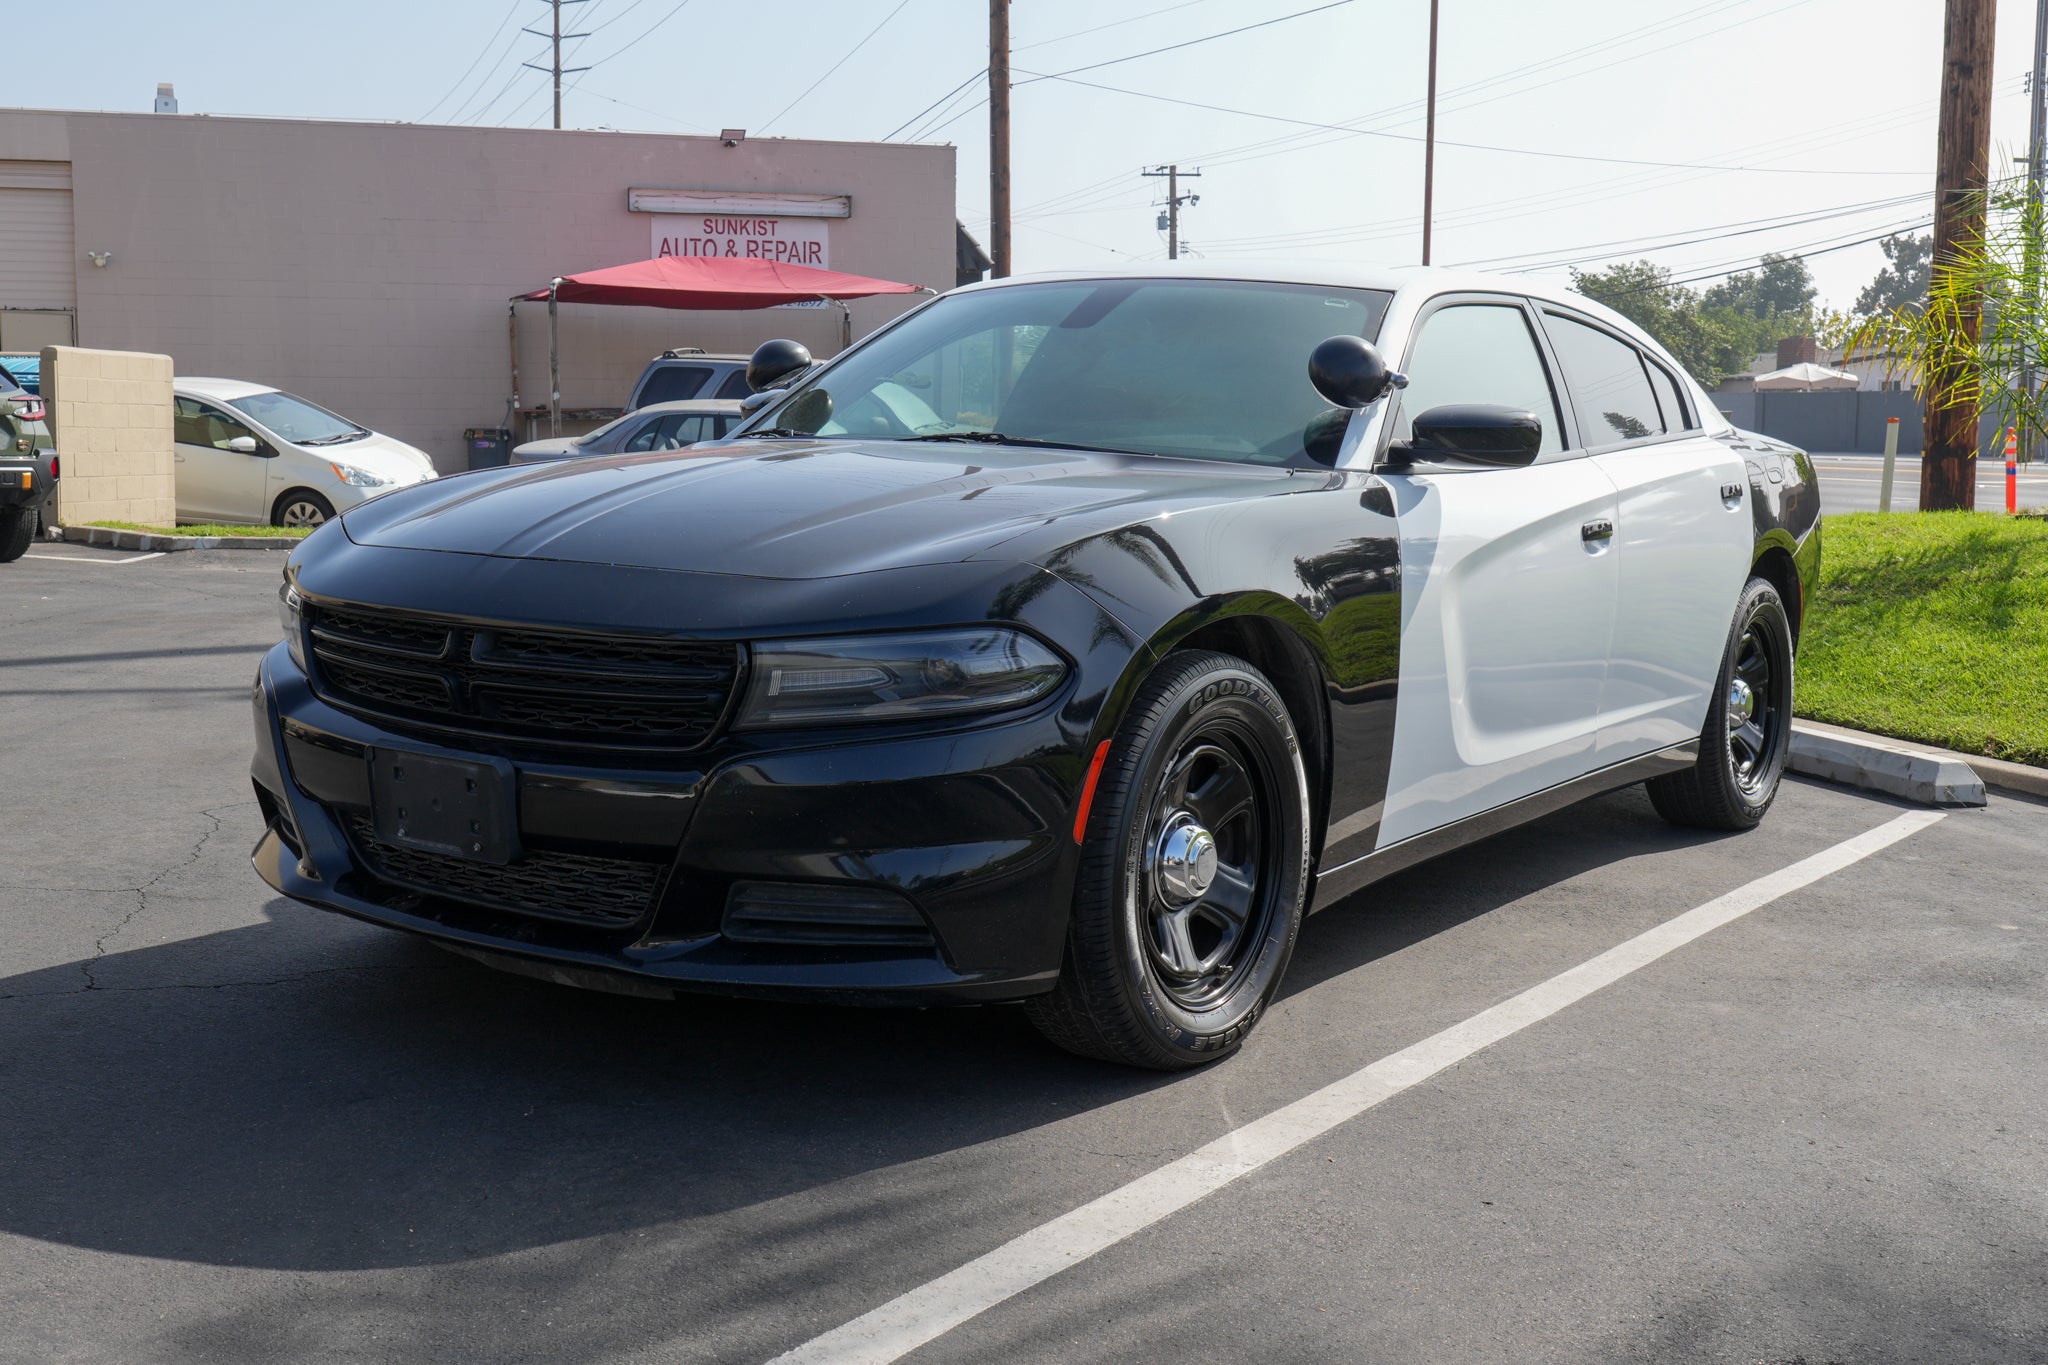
(1978, 335)
(1903, 283)
(1716, 334)
(1779, 285)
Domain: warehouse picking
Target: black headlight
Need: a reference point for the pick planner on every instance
(914, 675)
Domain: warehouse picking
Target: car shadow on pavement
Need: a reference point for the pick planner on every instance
(309, 1094)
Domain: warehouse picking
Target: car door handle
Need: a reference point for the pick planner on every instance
(1599, 529)
(1731, 493)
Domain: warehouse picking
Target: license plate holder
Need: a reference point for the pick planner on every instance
(458, 807)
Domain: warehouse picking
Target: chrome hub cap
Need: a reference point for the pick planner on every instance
(1741, 703)
(1184, 860)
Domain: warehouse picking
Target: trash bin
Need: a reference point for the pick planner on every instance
(488, 447)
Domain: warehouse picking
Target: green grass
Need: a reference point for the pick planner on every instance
(292, 532)
(1932, 626)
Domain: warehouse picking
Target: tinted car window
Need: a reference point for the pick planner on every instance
(673, 382)
(1609, 388)
(735, 386)
(1204, 369)
(1478, 353)
(647, 438)
(1669, 400)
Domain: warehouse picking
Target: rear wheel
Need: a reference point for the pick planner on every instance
(301, 507)
(1749, 724)
(17, 529)
(1193, 874)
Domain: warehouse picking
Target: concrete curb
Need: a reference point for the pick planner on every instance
(1931, 777)
(108, 538)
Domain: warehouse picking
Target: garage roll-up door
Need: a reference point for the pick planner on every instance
(36, 256)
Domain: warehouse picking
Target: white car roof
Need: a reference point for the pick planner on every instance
(225, 390)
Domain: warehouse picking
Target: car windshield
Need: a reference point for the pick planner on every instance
(298, 421)
(589, 436)
(1202, 369)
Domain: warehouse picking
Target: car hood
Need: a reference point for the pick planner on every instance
(790, 509)
(553, 448)
(381, 455)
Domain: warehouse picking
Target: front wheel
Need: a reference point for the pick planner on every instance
(301, 507)
(1193, 873)
(1749, 724)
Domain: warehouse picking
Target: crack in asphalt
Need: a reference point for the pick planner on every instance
(286, 980)
(141, 894)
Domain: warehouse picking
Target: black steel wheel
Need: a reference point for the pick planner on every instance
(301, 507)
(1749, 724)
(1193, 875)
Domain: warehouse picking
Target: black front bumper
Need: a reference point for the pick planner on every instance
(25, 480)
(970, 827)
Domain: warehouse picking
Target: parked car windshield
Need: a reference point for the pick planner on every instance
(300, 422)
(590, 437)
(1205, 369)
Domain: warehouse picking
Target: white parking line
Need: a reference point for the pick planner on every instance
(80, 559)
(909, 1321)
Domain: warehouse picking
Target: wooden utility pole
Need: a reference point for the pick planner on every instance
(1174, 199)
(1429, 141)
(1962, 160)
(555, 36)
(999, 137)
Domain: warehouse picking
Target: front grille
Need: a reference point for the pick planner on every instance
(543, 685)
(606, 893)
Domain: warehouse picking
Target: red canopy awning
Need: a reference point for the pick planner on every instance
(715, 282)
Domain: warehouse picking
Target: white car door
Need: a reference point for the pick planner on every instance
(1682, 542)
(215, 482)
(1508, 587)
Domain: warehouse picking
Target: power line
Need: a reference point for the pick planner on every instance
(1191, 42)
(974, 76)
(836, 65)
(481, 52)
(1654, 241)
(1470, 146)
(1114, 23)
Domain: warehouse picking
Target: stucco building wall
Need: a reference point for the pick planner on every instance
(368, 267)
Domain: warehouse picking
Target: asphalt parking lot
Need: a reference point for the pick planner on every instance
(239, 1130)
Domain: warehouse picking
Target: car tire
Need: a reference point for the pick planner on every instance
(1194, 869)
(301, 507)
(1749, 724)
(17, 531)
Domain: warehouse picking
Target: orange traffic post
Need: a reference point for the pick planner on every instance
(2012, 469)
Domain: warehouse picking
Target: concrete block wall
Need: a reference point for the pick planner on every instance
(110, 416)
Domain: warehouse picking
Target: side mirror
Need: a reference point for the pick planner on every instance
(243, 445)
(1478, 433)
(1351, 372)
(775, 360)
(754, 402)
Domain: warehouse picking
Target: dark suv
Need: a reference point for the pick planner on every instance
(687, 372)
(28, 467)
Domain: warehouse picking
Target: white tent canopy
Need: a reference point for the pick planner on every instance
(1805, 377)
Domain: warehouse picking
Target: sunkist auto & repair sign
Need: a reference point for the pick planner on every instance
(792, 241)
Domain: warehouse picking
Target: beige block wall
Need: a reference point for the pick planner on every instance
(110, 416)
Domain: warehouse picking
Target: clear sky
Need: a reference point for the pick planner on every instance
(1826, 106)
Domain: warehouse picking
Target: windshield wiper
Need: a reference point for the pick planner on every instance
(996, 438)
(356, 435)
(782, 433)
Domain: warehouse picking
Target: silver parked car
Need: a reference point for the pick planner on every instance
(661, 426)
